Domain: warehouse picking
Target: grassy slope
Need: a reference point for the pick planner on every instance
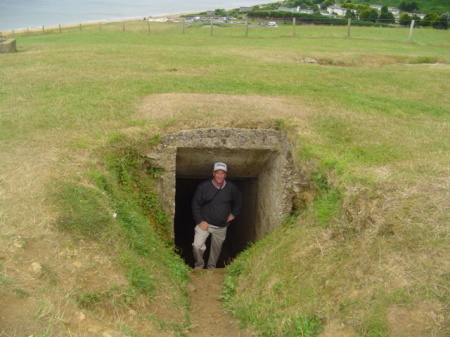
(372, 130)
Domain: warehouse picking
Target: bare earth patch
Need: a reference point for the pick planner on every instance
(422, 321)
(208, 318)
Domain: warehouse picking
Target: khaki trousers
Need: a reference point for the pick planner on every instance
(218, 236)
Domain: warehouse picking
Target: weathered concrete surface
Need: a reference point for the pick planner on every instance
(7, 46)
(261, 158)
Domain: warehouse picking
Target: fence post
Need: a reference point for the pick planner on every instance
(348, 27)
(43, 30)
(80, 27)
(148, 25)
(211, 32)
(123, 26)
(60, 29)
(100, 25)
(184, 24)
(293, 27)
(411, 28)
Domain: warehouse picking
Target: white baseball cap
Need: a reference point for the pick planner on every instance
(220, 166)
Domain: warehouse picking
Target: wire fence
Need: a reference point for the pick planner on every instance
(257, 28)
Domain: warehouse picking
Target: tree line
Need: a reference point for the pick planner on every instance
(367, 13)
(362, 15)
(358, 12)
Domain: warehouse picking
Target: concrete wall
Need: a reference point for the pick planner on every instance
(7, 46)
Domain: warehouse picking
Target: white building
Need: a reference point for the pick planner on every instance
(330, 15)
(377, 7)
(337, 9)
(296, 10)
(288, 9)
(394, 10)
(306, 11)
(420, 15)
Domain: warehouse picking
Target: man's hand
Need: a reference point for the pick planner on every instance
(203, 225)
(230, 218)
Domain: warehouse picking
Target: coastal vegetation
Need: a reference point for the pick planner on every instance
(418, 6)
(86, 248)
(331, 13)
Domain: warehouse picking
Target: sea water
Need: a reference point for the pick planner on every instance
(20, 14)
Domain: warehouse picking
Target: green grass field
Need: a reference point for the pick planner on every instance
(367, 251)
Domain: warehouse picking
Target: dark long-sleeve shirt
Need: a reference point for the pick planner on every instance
(227, 201)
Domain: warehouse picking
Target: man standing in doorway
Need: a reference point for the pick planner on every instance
(215, 204)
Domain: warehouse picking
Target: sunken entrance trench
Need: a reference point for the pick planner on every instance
(259, 163)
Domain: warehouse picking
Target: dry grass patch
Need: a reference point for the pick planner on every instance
(45, 275)
(349, 60)
(175, 111)
(26, 171)
(424, 320)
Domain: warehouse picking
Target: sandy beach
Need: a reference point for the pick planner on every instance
(155, 18)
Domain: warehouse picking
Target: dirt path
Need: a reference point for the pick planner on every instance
(208, 317)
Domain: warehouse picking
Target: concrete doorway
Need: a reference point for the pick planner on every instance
(259, 163)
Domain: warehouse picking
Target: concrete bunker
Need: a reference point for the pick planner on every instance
(7, 45)
(259, 162)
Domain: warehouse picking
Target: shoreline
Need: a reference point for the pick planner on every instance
(170, 16)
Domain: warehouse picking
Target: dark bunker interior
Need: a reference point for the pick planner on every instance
(239, 233)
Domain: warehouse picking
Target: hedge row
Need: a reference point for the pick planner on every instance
(316, 19)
